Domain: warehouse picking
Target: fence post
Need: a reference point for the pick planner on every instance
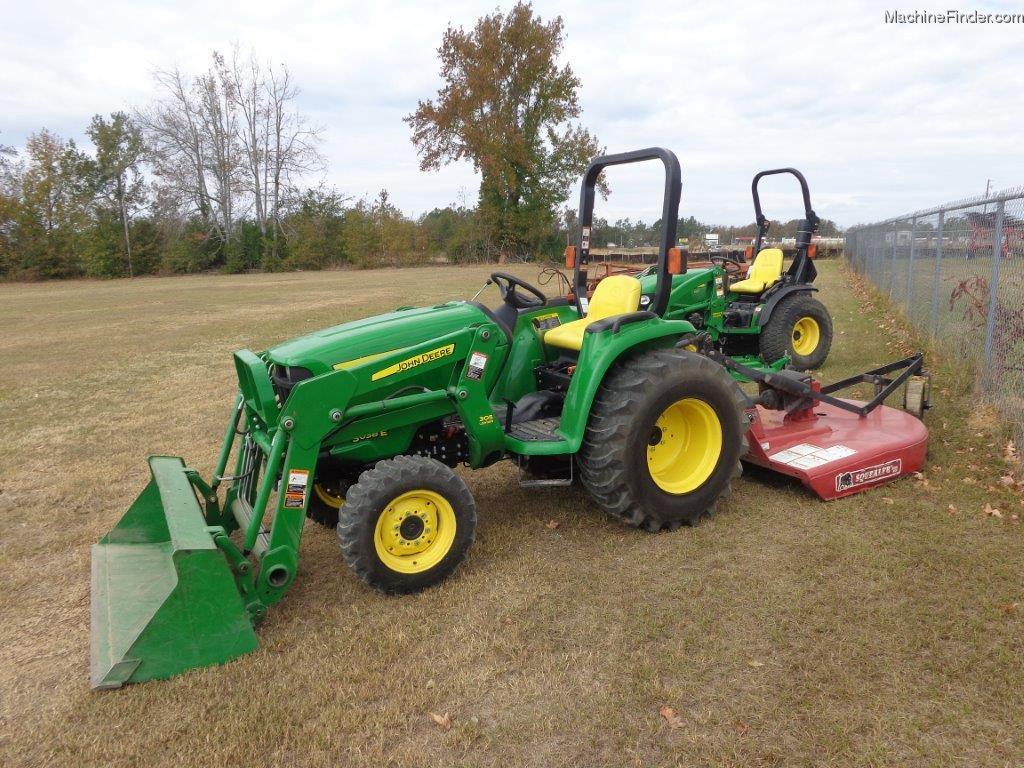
(892, 266)
(938, 275)
(910, 266)
(879, 255)
(870, 240)
(873, 240)
(993, 294)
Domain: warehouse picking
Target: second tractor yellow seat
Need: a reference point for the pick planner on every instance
(764, 272)
(615, 295)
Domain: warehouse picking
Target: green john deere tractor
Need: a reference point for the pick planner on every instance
(360, 426)
(766, 317)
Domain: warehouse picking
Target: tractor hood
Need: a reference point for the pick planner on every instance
(321, 351)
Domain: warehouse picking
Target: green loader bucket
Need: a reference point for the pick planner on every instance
(164, 599)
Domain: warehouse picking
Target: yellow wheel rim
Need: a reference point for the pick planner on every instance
(806, 335)
(415, 531)
(327, 496)
(684, 446)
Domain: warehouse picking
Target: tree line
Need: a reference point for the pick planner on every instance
(208, 176)
(214, 173)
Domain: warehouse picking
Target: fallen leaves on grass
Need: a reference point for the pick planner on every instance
(741, 727)
(444, 722)
(1010, 452)
(1009, 481)
(673, 718)
(991, 511)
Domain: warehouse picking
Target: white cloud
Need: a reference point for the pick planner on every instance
(881, 118)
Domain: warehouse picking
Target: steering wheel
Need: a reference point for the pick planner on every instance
(508, 285)
(729, 264)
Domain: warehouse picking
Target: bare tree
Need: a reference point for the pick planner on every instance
(246, 86)
(191, 135)
(278, 145)
(230, 142)
(220, 123)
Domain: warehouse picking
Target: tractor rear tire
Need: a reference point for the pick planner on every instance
(801, 328)
(664, 441)
(406, 524)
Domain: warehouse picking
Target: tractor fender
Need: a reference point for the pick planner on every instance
(773, 301)
(600, 352)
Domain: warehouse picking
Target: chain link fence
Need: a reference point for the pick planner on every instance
(957, 272)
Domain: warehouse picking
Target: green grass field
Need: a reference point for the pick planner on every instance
(886, 629)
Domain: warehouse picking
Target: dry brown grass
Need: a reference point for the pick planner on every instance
(784, 631)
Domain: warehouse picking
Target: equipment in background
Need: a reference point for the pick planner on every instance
(761, 314)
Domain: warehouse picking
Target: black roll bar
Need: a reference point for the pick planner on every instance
(669, 219)
(799, 271)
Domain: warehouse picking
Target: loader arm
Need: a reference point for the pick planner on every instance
(173, 589)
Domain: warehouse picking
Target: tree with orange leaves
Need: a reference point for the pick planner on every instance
(508, 107)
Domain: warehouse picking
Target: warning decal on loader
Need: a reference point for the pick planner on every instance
(295, 492)
(477, 364)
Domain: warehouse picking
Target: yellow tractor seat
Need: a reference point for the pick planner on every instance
(764, 272)
(615, 295)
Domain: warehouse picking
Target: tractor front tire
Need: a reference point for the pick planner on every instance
(664, 439)
(326, 499)
(801, 328)
(406, 524)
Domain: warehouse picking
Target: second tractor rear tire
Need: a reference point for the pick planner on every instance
(664, 440)
(801, 328)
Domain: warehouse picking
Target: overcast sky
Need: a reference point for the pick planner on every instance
(882, 118)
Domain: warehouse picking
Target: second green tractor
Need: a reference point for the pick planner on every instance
(760, 314)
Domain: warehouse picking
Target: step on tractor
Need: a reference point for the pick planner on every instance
(360, 426)
(759, 314)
